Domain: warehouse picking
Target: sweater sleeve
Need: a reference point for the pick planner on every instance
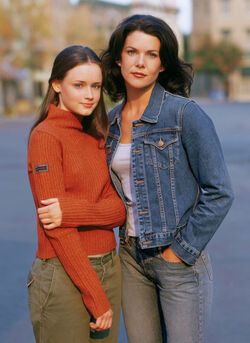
(46, 174)
(108, 213)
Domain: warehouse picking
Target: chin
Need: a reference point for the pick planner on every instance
(140, 84)
(86, 114)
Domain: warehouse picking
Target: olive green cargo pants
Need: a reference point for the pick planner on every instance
(57, 311)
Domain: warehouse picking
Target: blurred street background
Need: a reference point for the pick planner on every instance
(229, 248)
(214, 35)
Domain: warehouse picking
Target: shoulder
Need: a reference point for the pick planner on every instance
(194, 114)
(187, 108)
(46, 129)
(175, 100)
(43, 145)
(42, 134)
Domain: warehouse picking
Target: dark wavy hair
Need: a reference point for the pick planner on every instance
(97, 123)
(177, 77)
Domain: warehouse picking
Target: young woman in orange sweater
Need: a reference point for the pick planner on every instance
(74, 283)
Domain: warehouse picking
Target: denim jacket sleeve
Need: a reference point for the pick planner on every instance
(206, 161)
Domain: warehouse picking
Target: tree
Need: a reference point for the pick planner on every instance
(222, 58)
(23, 30)
(7, 32)
(81, 29)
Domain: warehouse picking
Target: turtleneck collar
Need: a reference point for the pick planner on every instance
(63, 118)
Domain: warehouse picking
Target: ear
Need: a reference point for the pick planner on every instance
(162, 69)
(118, 63)
(56, 84)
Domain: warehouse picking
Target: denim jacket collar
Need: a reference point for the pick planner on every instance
(152, 111)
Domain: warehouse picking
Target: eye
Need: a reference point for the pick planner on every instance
(78, 85)
(97, 86)
(130, 52)
(153, 55)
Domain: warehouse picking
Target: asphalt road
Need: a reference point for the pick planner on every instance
(229, 248)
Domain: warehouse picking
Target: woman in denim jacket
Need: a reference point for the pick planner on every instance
(167, 164)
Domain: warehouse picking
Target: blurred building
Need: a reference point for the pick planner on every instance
(33, 33)
(164, 9)
(99, 18)
(104, 16)
(226, 20)
(36, 30)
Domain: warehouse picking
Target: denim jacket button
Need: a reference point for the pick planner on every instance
(161, 142)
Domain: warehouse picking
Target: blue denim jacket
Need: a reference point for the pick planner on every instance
(182, 186)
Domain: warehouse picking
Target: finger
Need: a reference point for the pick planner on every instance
(42, 210)
(92, 326)
(49, 201)
(46, 221)
(44, 216)
(49, 226)
(99, 324)
(109, 323)
(106, 323)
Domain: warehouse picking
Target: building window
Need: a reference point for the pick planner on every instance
(225, 7)
(225, 34)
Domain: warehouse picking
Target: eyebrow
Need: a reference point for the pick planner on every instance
(131, 47)
(81, 81)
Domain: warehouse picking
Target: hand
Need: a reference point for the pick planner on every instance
(51, 214)
(170, 256)
(103, 322)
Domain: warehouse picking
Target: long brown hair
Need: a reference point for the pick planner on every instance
(97, 123)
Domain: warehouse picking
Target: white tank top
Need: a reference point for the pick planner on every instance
(121, 165)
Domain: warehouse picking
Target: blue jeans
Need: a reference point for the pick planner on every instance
(164, 301)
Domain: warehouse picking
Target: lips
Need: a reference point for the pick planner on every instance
(88, 105)
(139, 75)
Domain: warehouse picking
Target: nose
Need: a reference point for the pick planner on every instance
(140, 61)
(89, 93)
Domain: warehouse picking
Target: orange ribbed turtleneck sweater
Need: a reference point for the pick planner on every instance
(66, 163)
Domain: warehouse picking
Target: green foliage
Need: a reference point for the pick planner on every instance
(221, 58)
(23, 31)
(108, 103)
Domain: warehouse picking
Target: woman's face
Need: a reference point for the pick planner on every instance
(80, 90)
(140, 60)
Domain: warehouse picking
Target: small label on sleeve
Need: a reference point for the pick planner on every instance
(41, 168)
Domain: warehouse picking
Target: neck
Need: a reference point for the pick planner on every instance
(137, 101)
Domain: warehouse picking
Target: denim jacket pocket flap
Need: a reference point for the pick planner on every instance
(161, 141)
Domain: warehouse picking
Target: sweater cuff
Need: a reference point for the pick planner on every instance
(99, 306)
